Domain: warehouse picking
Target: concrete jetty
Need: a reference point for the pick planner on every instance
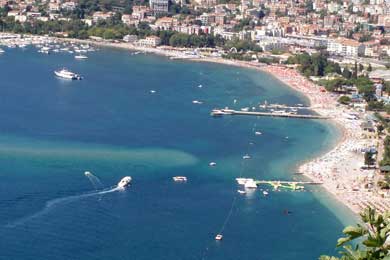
(221, 112)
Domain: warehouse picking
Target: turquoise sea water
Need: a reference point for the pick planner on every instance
(52, 130)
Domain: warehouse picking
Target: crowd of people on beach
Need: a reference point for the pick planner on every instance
(341, 170)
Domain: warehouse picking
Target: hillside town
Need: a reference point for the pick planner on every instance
(356, 30)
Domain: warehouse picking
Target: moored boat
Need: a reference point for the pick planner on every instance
(180, 178)
(66, 74)
(80, 57)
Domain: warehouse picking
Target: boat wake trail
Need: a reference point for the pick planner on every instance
(55, 202)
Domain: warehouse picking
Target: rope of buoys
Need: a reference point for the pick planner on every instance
(230, 212)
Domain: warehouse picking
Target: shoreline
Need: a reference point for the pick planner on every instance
(338, 168)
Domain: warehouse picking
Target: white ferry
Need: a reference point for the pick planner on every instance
(66, 74)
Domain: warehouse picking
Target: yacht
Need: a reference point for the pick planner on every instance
(66, 74)
(80, 57)
(124, 182)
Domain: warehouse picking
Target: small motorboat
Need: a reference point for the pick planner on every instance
(122, 184)
(212, 164)
(80, 57)
(246, 157)
(180, 178)
(258, 133)
(241, 191)
(218, 237)
(265, 193)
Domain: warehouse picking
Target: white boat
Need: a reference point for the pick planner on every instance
(45, 50)
(258, 133)
(180, 178)
(1, 50)
(250, 185)
(218, 237)
(241, 191)
(246, 157)
(241, 181)
(217, 112)
(279, 111)
(66, 74)
(197, 102)
(212, 164)
(245, 109)
(122, 184)
(80, 57)
(152, 91)
(265, 193)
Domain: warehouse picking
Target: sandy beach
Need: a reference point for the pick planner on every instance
(339, 169)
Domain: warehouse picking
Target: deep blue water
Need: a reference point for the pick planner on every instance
(52, 130)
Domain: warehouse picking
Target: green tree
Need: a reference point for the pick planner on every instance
(370, 238)
(369, 68)
(368, 159)
(380, 128)
(347, 73)
(345, 100)
(355, 71)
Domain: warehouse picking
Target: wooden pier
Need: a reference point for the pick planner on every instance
(221, 112)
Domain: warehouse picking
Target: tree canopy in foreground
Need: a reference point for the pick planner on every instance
(370, 238)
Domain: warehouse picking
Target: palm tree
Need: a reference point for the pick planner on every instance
(372, 238)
